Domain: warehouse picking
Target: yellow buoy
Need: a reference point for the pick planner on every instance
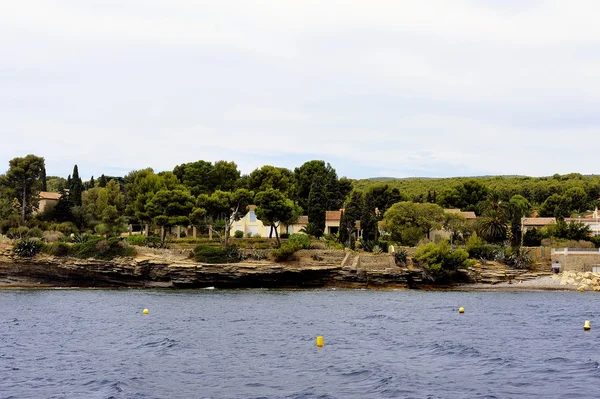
(145, 311)
(461, 310)
(319, 341)
(586, 325)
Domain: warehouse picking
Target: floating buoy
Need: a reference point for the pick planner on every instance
(461, 310)
(145, 311)
(319, 341)
(586, 325)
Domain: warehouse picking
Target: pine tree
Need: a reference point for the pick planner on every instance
(317, 205)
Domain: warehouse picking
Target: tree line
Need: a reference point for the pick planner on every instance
(213, 195)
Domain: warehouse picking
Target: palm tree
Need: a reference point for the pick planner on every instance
(492, 226)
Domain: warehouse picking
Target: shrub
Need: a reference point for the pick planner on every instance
(79, 238)
(384, 245)
(67, 228)
(257, 235)
(518, 258)
(440, 262)
(249, 235)
(99, 248)
(401, 256)
(559, 243)
(284, 235)
(596, 241)
(238, 234)
(301, 239)
(207, 254)
(17, 233)
(477, 248)
(139, 240)
(287, 251)
(52, 236)
(377, 249)
(56, 249)
(27, 248)
(35, 232)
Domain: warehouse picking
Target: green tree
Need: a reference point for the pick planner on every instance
(170, 208)
(518, 207)
(456, 224)
(273, 208)
(441, 262)
(24, 178)
(224, 176)
(271, 177)
(112, 222)
(352, 212)
(102, 181)
(75, 188)
(317, 203)
(378, 199)
(44, 180)
(196, 176)
(225, 206)
(405, 219)
(556, 206)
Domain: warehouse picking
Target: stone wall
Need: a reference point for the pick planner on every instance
(577, 262)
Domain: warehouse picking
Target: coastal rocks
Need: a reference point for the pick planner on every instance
(585, 281)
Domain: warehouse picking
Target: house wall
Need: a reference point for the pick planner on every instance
(579, 261)
(44, 203)
(331, 223)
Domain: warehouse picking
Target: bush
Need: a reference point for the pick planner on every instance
(207, 254)
(17, 233)
(384, 245)
(27, 248)
(99, 248)
(139, 240)
(401, 256)
(287, 251)
(560, 243)
(518, 258)
(56, 249)
(52, 236)
(477, 248)
(249, 235)
(35, 232)
(67, 228)
(301, 239)
(79, 238)
(596, 241)
(238, 234)
(284, 235)
(440, 262)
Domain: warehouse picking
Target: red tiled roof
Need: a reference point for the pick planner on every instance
(467, 215)
(537, 221)
(49, 195)
(302, 220)
(333, 215)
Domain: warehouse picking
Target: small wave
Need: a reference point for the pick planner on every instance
(163, 343)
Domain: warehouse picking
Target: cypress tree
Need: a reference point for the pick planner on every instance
(92, 182)
(102, 181)
(43, 179)
(75, 188)
(317, 205)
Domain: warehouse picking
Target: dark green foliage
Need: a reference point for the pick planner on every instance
(401, 256)
(56, 249)
(477, 248)
(208, 254)
(239, 234)
(317, 205)
(100, 248)
(533, 238)
(23, 180)
(35, 232)
(139, 240)
(27, 248)
(301, 239)
(556, 206)
(17, 233)
(383, 245)
(569, 231)
(440, 262)
(596, 241)
(519, 258)
(284, 235)
(102, 181)
(271, 177)
(75, 188)
(287, 251)
(377, 200)
(80, 238)
(312, 229)
(273, 208)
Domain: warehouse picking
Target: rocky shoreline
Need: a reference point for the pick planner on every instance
(327, 268)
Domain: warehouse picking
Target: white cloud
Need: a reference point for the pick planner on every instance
(403, 87)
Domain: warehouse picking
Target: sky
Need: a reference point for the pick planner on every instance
(394, 88)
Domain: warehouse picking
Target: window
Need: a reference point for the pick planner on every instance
(252, 216)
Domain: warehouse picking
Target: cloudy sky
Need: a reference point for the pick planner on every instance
(378, 88)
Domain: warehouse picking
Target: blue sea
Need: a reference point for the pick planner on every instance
(261, 344)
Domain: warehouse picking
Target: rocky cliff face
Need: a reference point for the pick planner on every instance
(325, 269)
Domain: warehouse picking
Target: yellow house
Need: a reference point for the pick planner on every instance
(251, 226)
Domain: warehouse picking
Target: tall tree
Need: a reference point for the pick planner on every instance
(170, 208)
(102, 181)
(24, 177)
(75, 188)
(43, 178)
(281, 179)
(378, 199)
(196, 176)
(351, 213)
(274, 208)
(317, 206)
(408, 222)
(224, 176)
